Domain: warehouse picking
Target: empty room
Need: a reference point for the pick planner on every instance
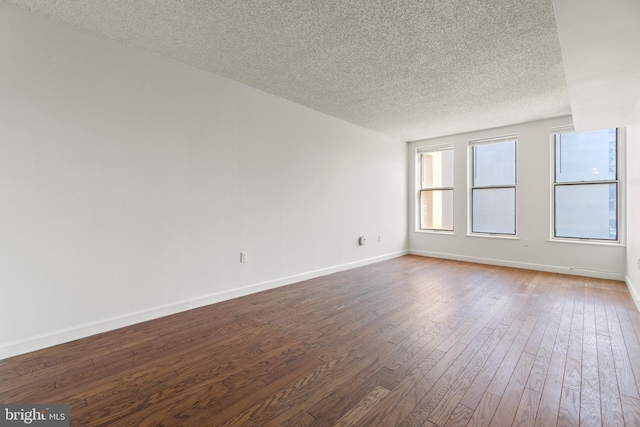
(320, 213)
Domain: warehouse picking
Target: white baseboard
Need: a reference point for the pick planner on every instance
(633, 290)
(38, 342)
(288, 280)
(576, 271)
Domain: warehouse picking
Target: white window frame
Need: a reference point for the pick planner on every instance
(620, 192)
(418, 176)
(471, 187)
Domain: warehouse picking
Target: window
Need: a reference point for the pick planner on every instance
(493, 186)
(436, 188)
(585, 187)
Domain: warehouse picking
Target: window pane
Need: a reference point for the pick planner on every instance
(586, 211)
(494, 164)
(437, 169)
(586, 156)
(494, 210)
(436, 210)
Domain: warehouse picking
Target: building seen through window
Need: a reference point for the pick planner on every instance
(436, 188)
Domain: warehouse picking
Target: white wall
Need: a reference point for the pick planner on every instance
(633, 206)
(129, 183)
(533, 213)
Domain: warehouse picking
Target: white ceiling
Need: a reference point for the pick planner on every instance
(411, 69)
(601, 51)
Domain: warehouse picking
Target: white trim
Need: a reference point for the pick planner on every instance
(635, 296)
(502, 138)
(443, 232)
(433, 148)
(621, 167)
(562, 129)
(594, 242)
(575, 271)
(60, 336)
(494, 236)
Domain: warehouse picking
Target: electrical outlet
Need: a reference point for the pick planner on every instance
(526, 242)
(243, 257)
(379, 238)
(638, 262)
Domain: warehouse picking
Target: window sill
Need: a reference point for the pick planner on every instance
(493, 236)
(444, 232)
(587, 242)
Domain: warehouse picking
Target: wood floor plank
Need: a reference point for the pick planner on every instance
(631, 342)
(569, 413)
(450, 401)
(564, 327)
(129, 410)
(302, 420)
(267, 404)
(459, 417)
(634, 317)
(338, 402)
(543, 357)
(602, 326)
(415, 360)
(506, 410)
(573, 366)
(420, 413)
(414, 347)
(590, 385)
(337, 398)
(552, 392)
(408, 392)
(209, 365)
(631, 409)
(310, 389)
(360, 409)
(610, 406)
(535, 338)
(483, 414)
(478, 388)
(510, 361)
(408, 341)
(416, 390)
(527, 409)
(623, 366)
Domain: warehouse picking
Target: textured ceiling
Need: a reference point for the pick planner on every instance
(411, 69)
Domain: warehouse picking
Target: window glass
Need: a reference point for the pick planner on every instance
(437, 169)
(587, 156)
(586, 185)
(493, 181)
(586, 211)
(494, 210)
(494, 164)
(436, 188)
(436, 210)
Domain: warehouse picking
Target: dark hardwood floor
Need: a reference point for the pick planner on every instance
(408, 342)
